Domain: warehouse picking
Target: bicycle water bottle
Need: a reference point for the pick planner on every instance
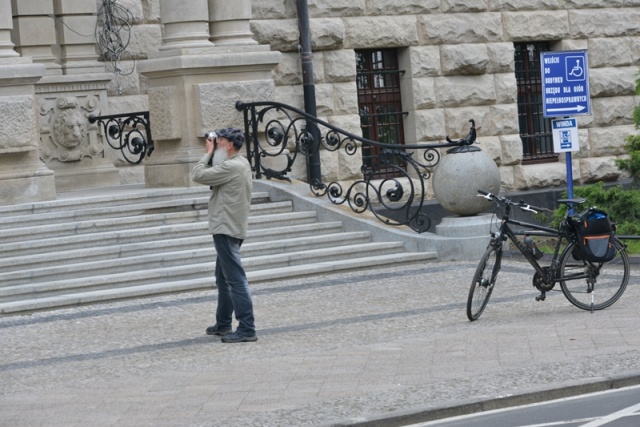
(537, 253)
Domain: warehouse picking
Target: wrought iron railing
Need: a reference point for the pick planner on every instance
(279, 130)
(129, 132)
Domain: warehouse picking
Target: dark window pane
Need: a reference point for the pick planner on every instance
(535, 130)
(380, 103)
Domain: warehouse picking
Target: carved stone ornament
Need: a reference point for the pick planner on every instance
(69, 129)
(69, 137)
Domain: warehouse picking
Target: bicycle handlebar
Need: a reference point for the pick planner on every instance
(521, 204)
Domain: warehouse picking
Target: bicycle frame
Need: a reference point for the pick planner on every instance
(507, 233)
(548, 274)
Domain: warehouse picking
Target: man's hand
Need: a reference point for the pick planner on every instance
(209, 145)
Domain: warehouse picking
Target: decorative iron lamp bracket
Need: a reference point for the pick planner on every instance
(125, 132)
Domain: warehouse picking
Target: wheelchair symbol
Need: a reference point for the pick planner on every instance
(576, 69)
(565, 139)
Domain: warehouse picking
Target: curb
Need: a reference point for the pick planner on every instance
(473, 406)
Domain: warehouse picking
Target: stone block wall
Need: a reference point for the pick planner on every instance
(459, 61)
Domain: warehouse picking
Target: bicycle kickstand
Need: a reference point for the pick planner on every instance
(541, 297)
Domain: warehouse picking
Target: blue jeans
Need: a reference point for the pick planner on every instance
(233, 289)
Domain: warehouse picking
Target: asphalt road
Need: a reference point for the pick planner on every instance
(613, 408)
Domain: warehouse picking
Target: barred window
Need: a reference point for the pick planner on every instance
(380, 104)
(535, 129)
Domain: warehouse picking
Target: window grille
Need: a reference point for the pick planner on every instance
(380, 105)
(535, 129)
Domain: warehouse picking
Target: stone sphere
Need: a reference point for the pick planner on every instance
(459, 176)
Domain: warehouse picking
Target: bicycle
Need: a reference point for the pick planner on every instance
(587, 285)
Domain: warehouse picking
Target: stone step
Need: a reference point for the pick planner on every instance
(261, 238)
(255, 278)
(22, 247)
(41, 270)
(121, 196)
(107, 212)
(54, 225)
(129, 243)
(193, 270)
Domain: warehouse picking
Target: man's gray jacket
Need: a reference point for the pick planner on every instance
(230, 200)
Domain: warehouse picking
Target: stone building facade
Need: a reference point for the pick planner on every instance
(458, 58)
(189, 65)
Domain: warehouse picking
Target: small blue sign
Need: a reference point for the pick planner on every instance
(565, 135)
(565, 83)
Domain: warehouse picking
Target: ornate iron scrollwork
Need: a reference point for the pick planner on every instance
(279, 130)
(130, 133)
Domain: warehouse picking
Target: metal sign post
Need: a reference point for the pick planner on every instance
(565, 92)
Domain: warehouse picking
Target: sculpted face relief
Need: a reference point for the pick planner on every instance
(69, 129)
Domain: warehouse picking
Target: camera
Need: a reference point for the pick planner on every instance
(214, 136)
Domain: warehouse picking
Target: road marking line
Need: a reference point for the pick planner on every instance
(612, 417)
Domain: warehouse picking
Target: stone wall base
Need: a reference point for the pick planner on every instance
(84, 175)
(169, 175)
(26, 186)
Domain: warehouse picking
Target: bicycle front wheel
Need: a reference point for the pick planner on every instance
(483, 281)
(593, 286)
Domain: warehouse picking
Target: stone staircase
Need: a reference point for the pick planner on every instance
(111, 244)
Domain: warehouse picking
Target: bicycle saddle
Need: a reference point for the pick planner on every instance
(578, 201)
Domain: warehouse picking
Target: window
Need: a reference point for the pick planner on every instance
(380, 105)
(535, 130)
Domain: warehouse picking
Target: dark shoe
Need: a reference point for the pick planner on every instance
(239, 336)
(216, 330)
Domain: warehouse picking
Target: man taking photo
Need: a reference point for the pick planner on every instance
(229, 175)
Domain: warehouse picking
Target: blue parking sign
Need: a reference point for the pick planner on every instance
(565, 83)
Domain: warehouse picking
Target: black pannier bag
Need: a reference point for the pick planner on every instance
(595, 232)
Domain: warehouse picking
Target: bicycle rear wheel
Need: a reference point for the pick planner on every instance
(595, 286)
(483, 281)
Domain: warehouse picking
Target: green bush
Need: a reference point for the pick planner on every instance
(632, 163)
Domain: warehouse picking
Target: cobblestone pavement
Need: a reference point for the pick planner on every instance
(331, 349)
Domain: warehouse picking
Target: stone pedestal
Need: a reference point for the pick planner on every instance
(23, 176)
(192, 91)
(70, 145)
(465, 238)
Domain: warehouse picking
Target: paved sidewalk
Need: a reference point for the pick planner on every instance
(336, 349)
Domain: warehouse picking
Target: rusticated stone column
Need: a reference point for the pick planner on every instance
(23, 176)
(185, 26)
(229, 22)
(75, 27)
(34, 32)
